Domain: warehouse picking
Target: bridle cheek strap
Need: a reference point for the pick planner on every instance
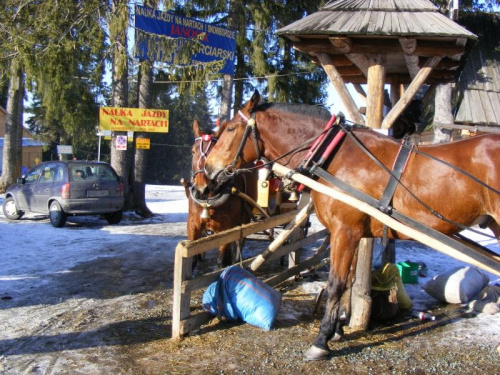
(251, 126)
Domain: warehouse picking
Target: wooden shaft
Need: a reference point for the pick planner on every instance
(283, 236)
(385, 219)
(338, 83)
(415, 85)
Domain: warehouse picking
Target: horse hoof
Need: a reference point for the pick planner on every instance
(314, 353)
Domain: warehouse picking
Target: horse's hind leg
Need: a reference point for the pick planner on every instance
(345, 301)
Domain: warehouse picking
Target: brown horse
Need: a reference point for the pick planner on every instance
(457, 197)
(224, 210)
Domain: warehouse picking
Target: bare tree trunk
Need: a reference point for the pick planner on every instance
(442, 102)
(120, 159)
(140, 160)
(227, 79)
(238, 85)
(12, 148)
(442, 113)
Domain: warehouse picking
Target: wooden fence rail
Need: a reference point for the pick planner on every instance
(182, 321)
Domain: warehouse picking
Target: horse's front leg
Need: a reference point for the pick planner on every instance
(342, 250)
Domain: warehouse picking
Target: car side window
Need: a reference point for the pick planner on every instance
(105, 174)
(33, 175)
(48, 174)
(59, 174)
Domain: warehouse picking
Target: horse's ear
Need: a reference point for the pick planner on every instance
(253, 102)
(196, 129)
(218, 130)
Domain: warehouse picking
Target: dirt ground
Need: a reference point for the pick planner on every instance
(111, 314)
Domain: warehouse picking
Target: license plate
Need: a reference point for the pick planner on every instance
(97, 193)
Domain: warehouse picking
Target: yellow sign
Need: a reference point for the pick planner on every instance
(133, 119)
(143, 143)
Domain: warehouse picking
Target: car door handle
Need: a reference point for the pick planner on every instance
(47, 189)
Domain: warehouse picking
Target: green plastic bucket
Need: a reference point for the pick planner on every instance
(408, 272)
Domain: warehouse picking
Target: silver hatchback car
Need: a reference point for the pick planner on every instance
(62, 188)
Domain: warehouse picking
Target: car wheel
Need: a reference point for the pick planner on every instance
(56, 215)
(114, 217)
(10, 209)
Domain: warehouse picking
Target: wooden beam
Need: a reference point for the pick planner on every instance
(342, 44)
(446, 63)
(294, 38)
(379, 46)
(296, 223)
(361, 61)
(376, 80)
(418, 81)
(316, 46)
(395, 92)
(338, 83)
(409, 45)
(359, 89)
(429, 49)
(341, 60)
(412, 65)
(192, 248)
(349, 70)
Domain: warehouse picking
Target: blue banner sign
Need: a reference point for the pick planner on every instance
(216, 43)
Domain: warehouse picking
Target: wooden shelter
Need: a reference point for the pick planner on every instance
(379, 42)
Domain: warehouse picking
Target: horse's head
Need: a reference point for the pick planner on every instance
(198, 186)
(234, 146)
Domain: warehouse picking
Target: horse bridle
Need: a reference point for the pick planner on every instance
(209, 141)
(251, 127)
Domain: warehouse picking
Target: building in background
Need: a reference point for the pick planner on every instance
(32, 149)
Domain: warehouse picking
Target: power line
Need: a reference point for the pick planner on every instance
(238, 79)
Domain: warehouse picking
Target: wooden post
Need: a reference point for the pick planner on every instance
(361, 301)
(361, 290)
(181, 302)
(376, 81)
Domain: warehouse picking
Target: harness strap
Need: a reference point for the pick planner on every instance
(397, 171)
(251, 127)
(404, 218)
(348, 129)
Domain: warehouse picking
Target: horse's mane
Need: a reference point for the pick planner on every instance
(302, 109)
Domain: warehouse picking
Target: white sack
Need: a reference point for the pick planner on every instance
(458, 285)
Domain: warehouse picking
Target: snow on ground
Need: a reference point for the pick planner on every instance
(37, 261)
(32, 249)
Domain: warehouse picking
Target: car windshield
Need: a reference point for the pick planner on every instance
(91, 172)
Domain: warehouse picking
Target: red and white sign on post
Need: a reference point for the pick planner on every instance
(121, 142)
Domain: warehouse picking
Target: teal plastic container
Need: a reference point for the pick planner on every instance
(408, 272)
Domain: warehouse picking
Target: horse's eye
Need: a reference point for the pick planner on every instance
(231, 129)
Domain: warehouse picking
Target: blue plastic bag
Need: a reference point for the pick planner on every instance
(240, 295)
